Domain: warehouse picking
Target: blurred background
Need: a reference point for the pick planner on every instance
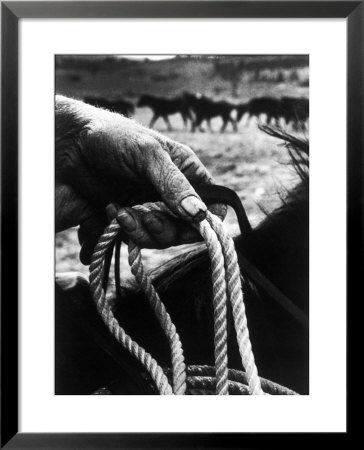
(246, 160)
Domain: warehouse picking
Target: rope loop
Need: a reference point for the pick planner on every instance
(226, 286)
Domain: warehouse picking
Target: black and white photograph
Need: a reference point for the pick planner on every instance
(182, 224)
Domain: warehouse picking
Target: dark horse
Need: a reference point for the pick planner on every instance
(294, 110)
(120, 106)
(264, 105)
(164, 107)
(241, 110)
(205, 108)
(87, 358)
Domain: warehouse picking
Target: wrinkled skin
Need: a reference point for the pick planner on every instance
(105, 163)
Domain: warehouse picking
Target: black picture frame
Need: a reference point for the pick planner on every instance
(11, 13)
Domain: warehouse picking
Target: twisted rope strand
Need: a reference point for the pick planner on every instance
(219, 295)
(96, 277)
(219, 306)
(137, 269)
(200, 381)
(236, 297)
(178, 365)
(237, 375)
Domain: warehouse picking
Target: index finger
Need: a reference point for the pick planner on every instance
(185, 159)
(196, 173)
(170, 182)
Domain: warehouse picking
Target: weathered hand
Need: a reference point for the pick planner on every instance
(106, 160)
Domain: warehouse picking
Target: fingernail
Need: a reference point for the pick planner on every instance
(126, 221)
(154, 224)
(194, 207)
(111, 211)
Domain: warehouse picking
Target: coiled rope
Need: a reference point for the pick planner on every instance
(226, 286)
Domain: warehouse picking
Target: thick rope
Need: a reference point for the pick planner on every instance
(179, 368)
(200, 380)
(226, 283)
(96, 277)
(219, 306)
(237, 375)
(218, 288)
(237, 302)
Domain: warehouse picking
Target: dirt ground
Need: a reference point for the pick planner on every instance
(249, 162)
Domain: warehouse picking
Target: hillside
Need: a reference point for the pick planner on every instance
(114, 77)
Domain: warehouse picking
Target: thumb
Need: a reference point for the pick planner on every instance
(173, 186)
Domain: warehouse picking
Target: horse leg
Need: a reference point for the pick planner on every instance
(287, 120)
(194, 124)
(166, 119)
(295, 125)
(224, 123)
(153, 120)
(209, 125)
(184, 118)
(197, 123)
(238, 117)
(191, 117)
